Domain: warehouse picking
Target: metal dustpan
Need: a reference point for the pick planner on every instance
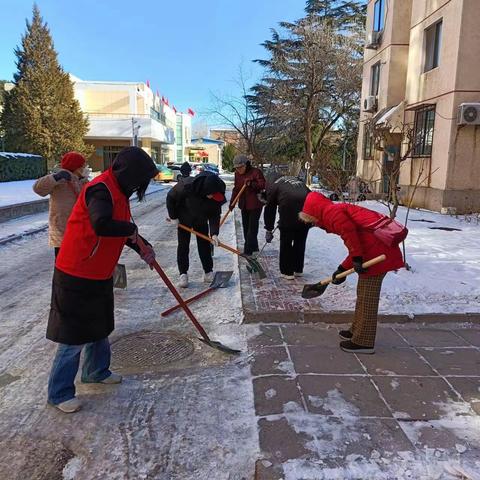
(120, 276)
(221, 279)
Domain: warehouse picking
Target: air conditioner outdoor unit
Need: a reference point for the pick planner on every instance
(373, 40)
(370, 104)
(469, 114)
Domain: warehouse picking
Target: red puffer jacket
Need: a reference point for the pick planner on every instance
(346, 220)
(249, 199)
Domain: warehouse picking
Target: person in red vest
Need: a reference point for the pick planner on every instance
(249, 203)
(349, 222)
(81, 313)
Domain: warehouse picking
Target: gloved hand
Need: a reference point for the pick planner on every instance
(357, 265)
(133, 236)
(268, 236)
(62, 175)
(215, 240)
(340, 269)
(148, 256)
(173, 222)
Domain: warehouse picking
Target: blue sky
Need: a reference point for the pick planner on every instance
(186, 48)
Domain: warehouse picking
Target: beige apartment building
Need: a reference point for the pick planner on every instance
(122, 113)
(421, 75)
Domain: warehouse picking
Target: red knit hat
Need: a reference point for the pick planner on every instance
(73, 160)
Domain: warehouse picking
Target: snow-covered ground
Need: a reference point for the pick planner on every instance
(445, 274)
(21, 191)
(17, 192)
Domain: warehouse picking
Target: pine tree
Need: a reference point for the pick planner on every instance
(344, 14)
(40, 113)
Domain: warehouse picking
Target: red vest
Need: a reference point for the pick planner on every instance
(83, 253)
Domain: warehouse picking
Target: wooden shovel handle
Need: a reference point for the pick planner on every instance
(235, 200)
(366, 264)
(208, 239)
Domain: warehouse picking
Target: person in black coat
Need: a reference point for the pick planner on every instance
(287, 194)
(82, 311)
(196, 202)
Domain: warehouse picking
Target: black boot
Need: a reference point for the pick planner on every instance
(345, 334)
(351, 347)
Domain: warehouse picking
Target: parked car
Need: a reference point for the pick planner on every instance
(175, 167)
(204, 167)
(165, 174)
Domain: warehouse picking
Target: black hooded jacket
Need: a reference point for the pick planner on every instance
(288, 194)
(133, 168)
(188, 201)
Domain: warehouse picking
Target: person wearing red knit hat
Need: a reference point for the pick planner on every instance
(64, 186)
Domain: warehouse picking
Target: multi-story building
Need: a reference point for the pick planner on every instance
(183, 136)
(122, 114)
(420, 79)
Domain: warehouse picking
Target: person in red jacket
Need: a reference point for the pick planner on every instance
(81, 313)
(250, 205)
(349, 222)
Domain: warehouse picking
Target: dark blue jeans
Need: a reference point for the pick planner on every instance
(61, 384)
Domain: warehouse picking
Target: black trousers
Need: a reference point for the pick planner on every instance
(57, 249)
(204, 250)
(250, 221)
(292, 250)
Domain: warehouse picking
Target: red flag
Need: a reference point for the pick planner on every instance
(174, 109)
(148, 83)
(191, 112)
(163, 99)
(166, 101)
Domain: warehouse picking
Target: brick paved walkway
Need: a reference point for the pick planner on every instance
(409, 411)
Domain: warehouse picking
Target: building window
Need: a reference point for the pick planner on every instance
(423, 132)
(109, 153)
(367, 145)
(375, 80)
(379, 16)
(433, 42)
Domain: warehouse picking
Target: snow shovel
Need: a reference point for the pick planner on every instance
(205, 338)
(220, 280)
(317, 289)
(235, 200)
(253, 265)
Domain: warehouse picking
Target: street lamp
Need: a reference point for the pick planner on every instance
(135, 129)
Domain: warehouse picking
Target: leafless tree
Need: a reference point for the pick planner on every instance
(238, 112)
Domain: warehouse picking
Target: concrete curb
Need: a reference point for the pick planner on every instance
(9, 212)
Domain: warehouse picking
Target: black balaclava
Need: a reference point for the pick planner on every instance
(185, 169)
(133, 168)
(207, 183)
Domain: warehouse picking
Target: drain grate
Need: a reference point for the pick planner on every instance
(149, 350)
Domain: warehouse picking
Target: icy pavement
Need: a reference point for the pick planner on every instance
(445, 275)
(193, 421)
(411, 411)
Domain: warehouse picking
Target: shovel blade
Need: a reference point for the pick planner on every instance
(221, 347)
(314, 290)
(254, 266)
(221, 279)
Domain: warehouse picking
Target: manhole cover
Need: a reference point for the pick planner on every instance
(150, 350)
